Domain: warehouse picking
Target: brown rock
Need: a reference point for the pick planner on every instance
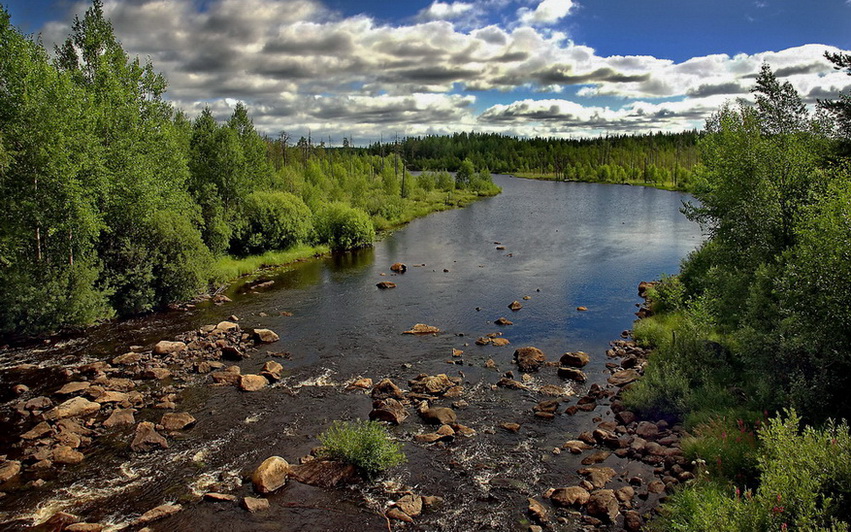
(78, 406)
(127, 359)
(596, 457)
(59, 521)
(510, 427)
(164, 347)
(111, 397)
(438, 415)
(360, 383)
(66, 455)
(576, 446)
(622, 378)
(228, 377)
(657, 486)
(398, 267)
(422, 328)
(572, 496)
(411, 504)
(159, 512)
(155, 373)
(252, 383)
(503, 321)
(179, 421)
(582, 309)
(266, 336)
(255, 505)
(9, 470)
(625, 417)
(632, 521)
(384, 285)
(38, 403)
(575, 359)
(84, 527)
(147, 438)
(538, 511)
(225, 326)
(387, 388)
(647, 430)
(37, 432)
(500, 342)
(73, 387)
(323, 473)
(515, 305)
(625, 494)
(219, 497)
(271, 475)
(433, 385)
(603, 504)
(572, 374)
(598, 476)
(529, 358)
(390, 410)
(399, 515)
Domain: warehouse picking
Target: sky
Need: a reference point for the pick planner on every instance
(374, 69)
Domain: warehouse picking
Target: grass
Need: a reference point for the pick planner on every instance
(364, 444)
(228, 268)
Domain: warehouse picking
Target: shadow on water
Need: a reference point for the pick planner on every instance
(566, 245)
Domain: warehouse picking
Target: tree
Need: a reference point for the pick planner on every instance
(840, 109)
(781, 110)
(465, 174)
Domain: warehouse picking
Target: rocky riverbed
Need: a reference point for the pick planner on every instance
(142, 402)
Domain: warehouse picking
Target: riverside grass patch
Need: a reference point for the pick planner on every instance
(367, 445)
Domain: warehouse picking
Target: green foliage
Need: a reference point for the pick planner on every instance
(273, 220)
(342, 227)
(465, 173)
(805, 484)
(727, 447)
(365, 444)
(667, 295)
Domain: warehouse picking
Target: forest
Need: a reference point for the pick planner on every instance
(751, 339)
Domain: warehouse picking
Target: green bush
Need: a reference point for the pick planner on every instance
(667, 295)
(364, 444)
(728, 448)
(706, 506)
(274, 220)
(343, 227)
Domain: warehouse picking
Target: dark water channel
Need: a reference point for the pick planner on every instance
(566, 245)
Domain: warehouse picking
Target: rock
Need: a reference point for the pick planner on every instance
(572, 374)
(219, 497)
(120, 417)
(438, 415)
(324, 473)
(411, 504)
(252, 383)
(111, 397)
(127, 359)
(384, 285)
(510, 427)
(390, 410)
(9, 470)
(387, 388)
(225, 326)
(230, 352)
(271, 475)
(37, 432)
(84, 527)
(255, 505)
(421, 328)
(505, 382)
(632, 521)
(647, 430)
(398, 267)
(515, 305)
(625, 494)
(360, 383)
(576, 446)
(643, 287)
(272, 370)
(582, 309)
(155, 373)
(596, 457)
(572, 496)
(500, 342)
(503, 321)
(75, 407)
(538, 511)
(657, 486)
(529, 358)
(457, 352)
(20, 389)
(230, 376)
(159, 512)
(625, 417)
(38, 403)
(179, 421)
(59, 521)
(147, 438)
(603, 504)
(73, 387)
(598, 476)
(165, 347)
(66, 455)
(622, 378)
(399, 515)
(575, 359)
(266, 336)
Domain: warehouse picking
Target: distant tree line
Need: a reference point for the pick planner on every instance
(656, 158)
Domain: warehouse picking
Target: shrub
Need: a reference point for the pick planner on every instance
(667, 295)
(364, 444)
(343, 227)
(728, 448)
(274, 220)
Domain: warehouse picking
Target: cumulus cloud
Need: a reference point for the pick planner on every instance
(547, 12)
(298, 65)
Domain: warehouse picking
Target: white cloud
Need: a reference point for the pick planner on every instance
(444, 11)
(546, 13)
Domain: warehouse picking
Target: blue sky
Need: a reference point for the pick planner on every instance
(521, 67)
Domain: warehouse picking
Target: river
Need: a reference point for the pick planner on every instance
(566, 245)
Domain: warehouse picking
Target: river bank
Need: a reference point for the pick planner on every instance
(667, 185)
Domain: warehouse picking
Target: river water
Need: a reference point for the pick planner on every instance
(566, 245)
